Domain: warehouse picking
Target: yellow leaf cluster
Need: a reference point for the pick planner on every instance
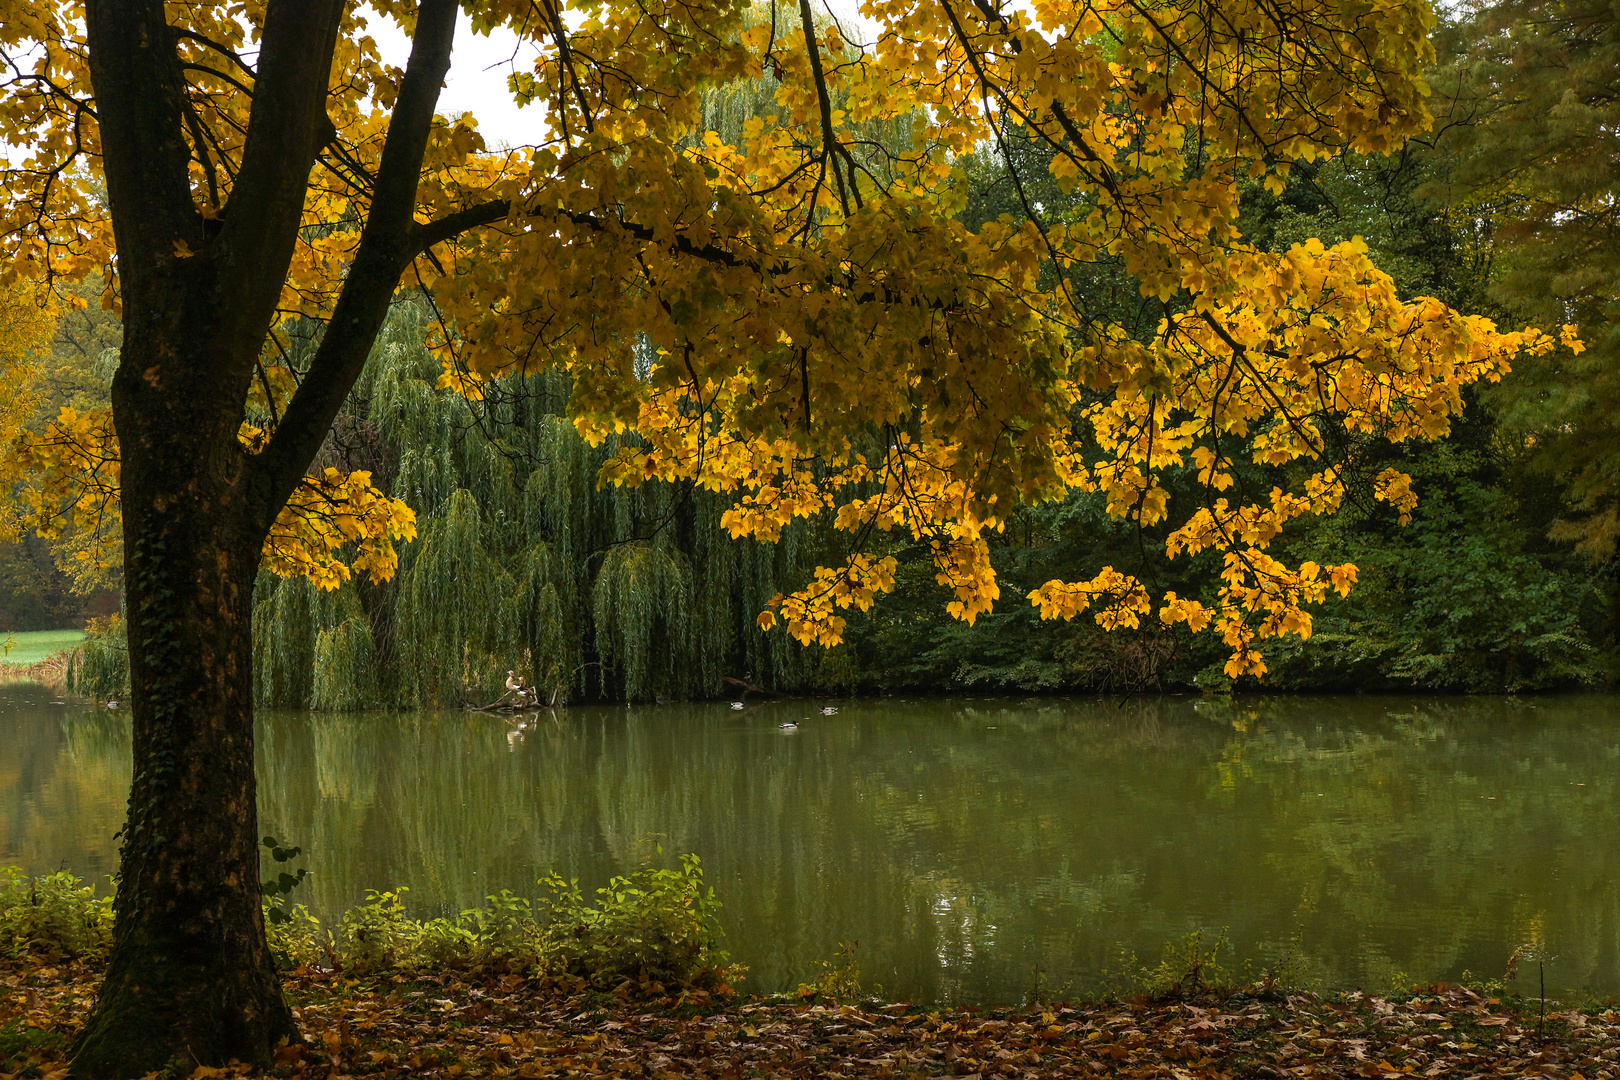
(811, 613)
(65, 476)
(337, 524)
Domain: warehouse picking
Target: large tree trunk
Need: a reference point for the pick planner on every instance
(191, 980)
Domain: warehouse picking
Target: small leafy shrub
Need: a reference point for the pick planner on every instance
(1188, 966)
(1042, 993)
(840, 978)
(503, 932)
(652, 927)
(377, 934)
(297, 938)
(655, 925)
(54, 916)
(275, 889)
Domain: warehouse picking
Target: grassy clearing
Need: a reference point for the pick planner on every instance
(36, 645)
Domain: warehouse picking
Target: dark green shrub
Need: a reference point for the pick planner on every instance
(655, 925)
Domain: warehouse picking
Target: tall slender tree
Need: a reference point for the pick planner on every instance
(1530, 137)
(778, 317)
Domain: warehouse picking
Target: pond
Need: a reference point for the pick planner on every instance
(959, 844)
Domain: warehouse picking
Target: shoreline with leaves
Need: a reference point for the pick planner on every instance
(635, 986)
(463, 1024)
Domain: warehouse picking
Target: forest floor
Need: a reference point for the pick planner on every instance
(451, 1026)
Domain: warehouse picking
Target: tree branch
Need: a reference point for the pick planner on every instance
(453, 225)
(139, 95)
(388, 243)
(287, 124)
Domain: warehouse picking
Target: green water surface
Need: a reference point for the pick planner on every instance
(960, 843)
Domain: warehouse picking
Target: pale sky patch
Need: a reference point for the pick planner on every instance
(481, 64)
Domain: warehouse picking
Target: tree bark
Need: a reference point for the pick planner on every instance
(190, 980)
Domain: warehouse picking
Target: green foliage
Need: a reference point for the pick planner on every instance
(523, 564)
(642, 606)
(652, 926)
(636, 594)
(1528, 149)
(34, 593)
(345, 666)
(840, 978)
(378, 934)
(655, 925)
(289, 616)
(1459, 600)
(1472, 596)
(1187, 965)
(274, 889)
(450, 602)
(52, 916)
(99, 668)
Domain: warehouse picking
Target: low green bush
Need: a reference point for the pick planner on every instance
(55, 916)
(99, 667)
(654, 926)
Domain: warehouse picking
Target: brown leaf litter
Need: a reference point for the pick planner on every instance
(455, 1025)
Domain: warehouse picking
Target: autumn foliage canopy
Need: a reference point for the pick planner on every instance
(795, 313)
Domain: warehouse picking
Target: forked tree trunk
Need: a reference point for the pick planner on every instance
(191, 980)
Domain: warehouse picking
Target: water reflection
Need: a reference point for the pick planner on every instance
(960, 843)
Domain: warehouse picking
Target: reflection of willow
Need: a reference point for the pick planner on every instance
(1492, 812)
(433, 801)
(643, 796)
(873, 831)
(77, 770)
(345, 768)
(999, 835)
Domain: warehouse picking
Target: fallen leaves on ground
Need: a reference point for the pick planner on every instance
(455, 1026)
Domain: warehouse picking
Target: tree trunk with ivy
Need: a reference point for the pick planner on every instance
(190, 979)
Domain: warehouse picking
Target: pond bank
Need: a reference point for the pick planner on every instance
(456, 1025)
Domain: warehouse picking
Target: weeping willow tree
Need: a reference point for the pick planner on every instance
(99, 668)
(523, 563)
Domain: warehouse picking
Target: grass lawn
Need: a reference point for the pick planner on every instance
(36, 645)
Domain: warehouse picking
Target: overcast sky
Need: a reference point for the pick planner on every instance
(479, 67)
